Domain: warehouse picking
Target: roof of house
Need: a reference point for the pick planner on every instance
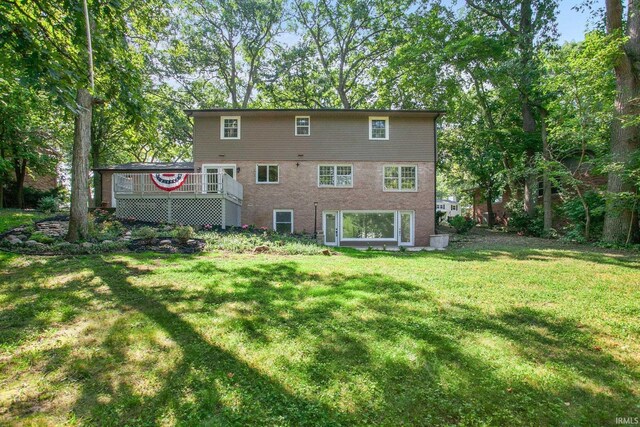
(314, 111)
(144, 167)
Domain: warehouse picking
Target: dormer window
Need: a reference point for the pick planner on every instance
(379, 128)
(303, 126)
(230, 127)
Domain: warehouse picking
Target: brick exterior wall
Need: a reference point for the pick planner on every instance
(41, 182)
(298, 190)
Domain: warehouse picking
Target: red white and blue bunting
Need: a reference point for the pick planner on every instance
(168, 181)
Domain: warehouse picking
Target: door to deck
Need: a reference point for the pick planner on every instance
(213, 173)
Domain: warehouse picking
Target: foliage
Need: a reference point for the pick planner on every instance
(32, 196)
(247, 241)
(183, 232)
(40, 237)
(49, 204)
(575, 213)
(440, 216)
(522, 223)
(461, 224)
(146, 233)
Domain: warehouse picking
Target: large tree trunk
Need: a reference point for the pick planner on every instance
(546, 182)
(20, 169)
(525, 45)
(621, 220)
(491, 217)
(78, 226)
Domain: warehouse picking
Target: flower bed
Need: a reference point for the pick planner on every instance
(108, 234)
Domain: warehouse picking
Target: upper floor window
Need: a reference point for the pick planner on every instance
(379, 128)
(267, 174)
(440, 207)
(303, 126)
(335, 176)
(400, 178)
(454, 207)
(230, 127)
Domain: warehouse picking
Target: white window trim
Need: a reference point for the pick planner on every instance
(412, 226)
(351, 239)
(386, 128)
(222, 119)
(295, 125)
(399, 190)
(335, 171)
(282, 210)
(219, 165)
(205, 166)
(267, 164)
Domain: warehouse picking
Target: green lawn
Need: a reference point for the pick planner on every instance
(500, 336)
(12, 218)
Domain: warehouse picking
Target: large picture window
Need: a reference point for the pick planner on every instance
(400, 178)
(335, 176)
(368, 225)
(267, 174)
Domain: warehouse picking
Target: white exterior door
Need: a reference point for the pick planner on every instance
(406, 228)
(212, 182)
(330, 228)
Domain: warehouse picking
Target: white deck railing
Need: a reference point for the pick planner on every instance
(195, 183)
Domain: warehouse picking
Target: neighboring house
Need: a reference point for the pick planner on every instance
(359, 177)
(583, 171)
(451, 207)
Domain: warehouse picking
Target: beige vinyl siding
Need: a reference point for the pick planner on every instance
(338, 136)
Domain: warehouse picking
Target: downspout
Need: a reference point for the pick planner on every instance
(435, 174)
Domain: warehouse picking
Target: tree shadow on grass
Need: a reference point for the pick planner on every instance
(627, 260)
(378, 350)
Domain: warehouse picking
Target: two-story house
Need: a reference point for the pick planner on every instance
(359, 177)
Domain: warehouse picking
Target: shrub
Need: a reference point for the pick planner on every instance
(575, 215)
(183, 233)
(48, 204)
(461, 224)
(520, 222)
(440, 216)
(39, 236)
(146, 233)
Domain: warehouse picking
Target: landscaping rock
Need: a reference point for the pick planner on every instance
(14, 240)
(165, 242)
(261, 249)
(192, 242)
(21, 236)
(86, 245)
(326, 252)
(33, 244)
(107, 241)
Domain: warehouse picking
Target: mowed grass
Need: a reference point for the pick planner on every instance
(499, 337)
(12, 218)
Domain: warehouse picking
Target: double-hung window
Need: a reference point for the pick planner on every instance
(303, 126)
(335, 176)
(267, 174)
(379, 128)
(230, 127)
(283, 220)
(400, 178)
